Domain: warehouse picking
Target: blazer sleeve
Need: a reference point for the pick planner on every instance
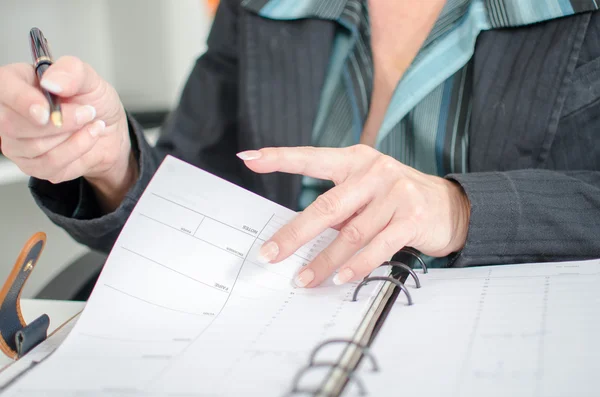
(531, 215)
(203, 122)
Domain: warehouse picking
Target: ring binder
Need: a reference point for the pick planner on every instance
(390, 279)
(405, 267)
(417, 255)
(349, 374)
(363, 348)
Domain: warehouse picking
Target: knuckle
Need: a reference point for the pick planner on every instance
(290, 234)
(327, 260)
(352, 234)
(406, 186)
(103, 91)
(387, 245)
(364, 264)
(361, 149)
(386, 165)
(327, 204)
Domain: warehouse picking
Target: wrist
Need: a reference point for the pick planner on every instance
(112, 186)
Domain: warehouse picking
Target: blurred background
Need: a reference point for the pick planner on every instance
(144, 48)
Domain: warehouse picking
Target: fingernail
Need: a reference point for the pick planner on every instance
(304, 278)
(97, 128)
(51, 86)
(268, 252)
(249, 155)
(39, 113)
(343, 276)
(85, 114)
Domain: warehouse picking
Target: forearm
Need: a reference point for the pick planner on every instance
(531, 216)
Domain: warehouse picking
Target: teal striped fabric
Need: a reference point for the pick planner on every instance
(426, 125)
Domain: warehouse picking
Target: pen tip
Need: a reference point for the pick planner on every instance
(56, 118)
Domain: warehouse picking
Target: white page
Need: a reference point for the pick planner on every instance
(183, 308)
(520, 330)
(38, 354)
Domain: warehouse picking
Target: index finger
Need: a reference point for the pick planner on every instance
(322, 163)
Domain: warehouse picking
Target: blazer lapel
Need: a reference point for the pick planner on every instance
(283, 66)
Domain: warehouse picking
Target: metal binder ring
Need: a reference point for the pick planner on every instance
(416, 254)
(390, 279)
(350, 374)
(405, 267)
(363, 348)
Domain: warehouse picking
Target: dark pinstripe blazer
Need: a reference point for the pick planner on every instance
(534, 152)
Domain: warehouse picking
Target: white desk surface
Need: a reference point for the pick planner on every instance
(58, 311)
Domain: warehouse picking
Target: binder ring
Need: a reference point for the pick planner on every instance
(405, 267)
(378, 278)
(363, 348)
(349, 374)
(413, 252)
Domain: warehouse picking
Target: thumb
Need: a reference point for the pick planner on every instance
(69, 76)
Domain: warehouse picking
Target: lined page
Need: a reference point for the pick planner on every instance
(530, 330)
(182, 307)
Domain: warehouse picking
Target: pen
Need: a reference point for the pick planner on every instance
(42, 59)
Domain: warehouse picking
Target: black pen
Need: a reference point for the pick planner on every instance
(42, 59)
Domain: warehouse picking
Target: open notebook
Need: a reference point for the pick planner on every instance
(182, 308)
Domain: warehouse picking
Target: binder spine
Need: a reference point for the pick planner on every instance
(402, 269)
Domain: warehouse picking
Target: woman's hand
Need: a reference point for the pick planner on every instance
(378, 204)
(93, 140)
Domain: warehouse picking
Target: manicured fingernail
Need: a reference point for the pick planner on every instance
(343, 276)
(249, 155)
(304, 278)
(85, 114)
(97, 128)
(268, 252)
(39, 113)
(56, 81)
(51, 86)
